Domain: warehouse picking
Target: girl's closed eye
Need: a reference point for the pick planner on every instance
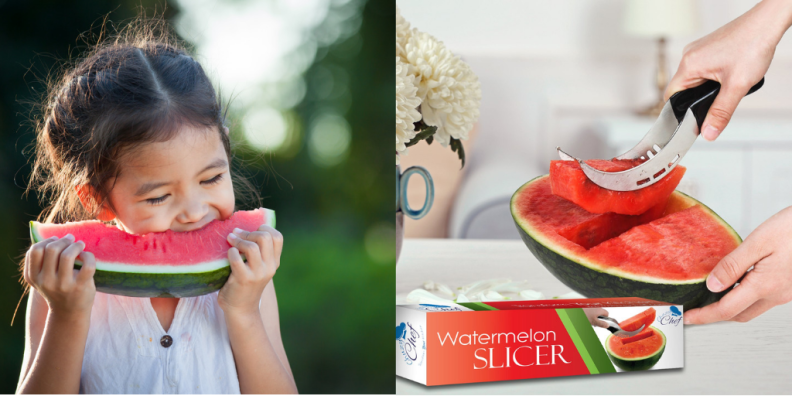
(159, 200)
(213, 180)
(156, 201)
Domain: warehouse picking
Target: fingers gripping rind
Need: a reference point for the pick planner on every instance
(732, 304)
(50, 272)
(88, 269)
(66, 263)
(267, 251)
(277, 241)
(733, 266)
(250, 250)
(237, 264)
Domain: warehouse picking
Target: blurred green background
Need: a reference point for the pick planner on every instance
(311, 89)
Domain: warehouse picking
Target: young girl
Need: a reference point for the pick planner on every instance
(134, 135)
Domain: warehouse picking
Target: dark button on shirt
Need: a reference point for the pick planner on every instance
(166, 341)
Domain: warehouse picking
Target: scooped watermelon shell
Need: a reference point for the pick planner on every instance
(664, 254)
(160, 264)
(638, 355)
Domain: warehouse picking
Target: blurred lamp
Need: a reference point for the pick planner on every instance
(660, 19)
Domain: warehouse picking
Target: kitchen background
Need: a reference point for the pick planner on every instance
(574, 74)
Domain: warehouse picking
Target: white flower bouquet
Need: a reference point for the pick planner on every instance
(437, 95)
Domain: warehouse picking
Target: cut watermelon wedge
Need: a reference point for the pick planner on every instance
(161, 264)
(661, 255)
(568, 181)
(634, 323)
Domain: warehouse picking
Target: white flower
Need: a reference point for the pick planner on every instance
(450, 93)
(406, 107)
(479, 291)
(402, 33)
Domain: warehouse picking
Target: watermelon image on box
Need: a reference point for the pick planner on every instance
(158, 264)
(636, 354)
(645, 318)
(663, 254)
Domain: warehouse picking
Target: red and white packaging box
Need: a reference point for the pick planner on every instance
(509, 340)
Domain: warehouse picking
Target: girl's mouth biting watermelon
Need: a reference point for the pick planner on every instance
(161, 264)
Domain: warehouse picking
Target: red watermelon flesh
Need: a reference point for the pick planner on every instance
(645, 333)
(683, 244)
(602, 227)
(634, 323)
(111, 245)
(646, 346)
(569, 181)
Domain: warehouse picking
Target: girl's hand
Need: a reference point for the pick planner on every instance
(768, 250)
(49, 268)
(242, 292)
(737, 55)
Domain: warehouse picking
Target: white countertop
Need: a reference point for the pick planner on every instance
(721, 358)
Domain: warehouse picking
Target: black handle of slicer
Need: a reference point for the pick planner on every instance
(699, 99)
(611, 326)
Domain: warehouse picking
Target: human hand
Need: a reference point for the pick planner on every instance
(768, 250)
(592, 313)
(737, 55)
(49, 268)
(262, 248)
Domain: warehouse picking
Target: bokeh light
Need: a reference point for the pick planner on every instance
(265, 128)
(258, 52)
(379, 242)
(329, 139)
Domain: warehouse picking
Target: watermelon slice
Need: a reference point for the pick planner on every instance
(634, 323)
(568, 181)
(161, 264)
(662, 257)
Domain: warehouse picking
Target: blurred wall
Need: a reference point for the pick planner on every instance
(556, 73)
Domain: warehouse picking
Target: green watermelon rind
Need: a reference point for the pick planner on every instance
(640, 363)
(150, 284)
(593, 281)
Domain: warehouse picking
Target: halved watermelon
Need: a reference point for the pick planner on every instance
(568, 180)
(638, 355)
(666, 258)
(634, 323)
(161, 264)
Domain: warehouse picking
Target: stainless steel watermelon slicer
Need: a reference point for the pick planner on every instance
(669, 139)
(615, 329)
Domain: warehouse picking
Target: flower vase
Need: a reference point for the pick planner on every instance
(403, 206)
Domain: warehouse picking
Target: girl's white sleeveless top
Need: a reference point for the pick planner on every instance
(128, 351)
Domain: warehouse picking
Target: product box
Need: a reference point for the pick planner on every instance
(509, 340)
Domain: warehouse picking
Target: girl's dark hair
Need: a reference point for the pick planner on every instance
(134, 87)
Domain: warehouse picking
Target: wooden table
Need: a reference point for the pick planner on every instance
(721, 358)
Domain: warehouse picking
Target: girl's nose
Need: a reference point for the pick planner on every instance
(193, 213)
